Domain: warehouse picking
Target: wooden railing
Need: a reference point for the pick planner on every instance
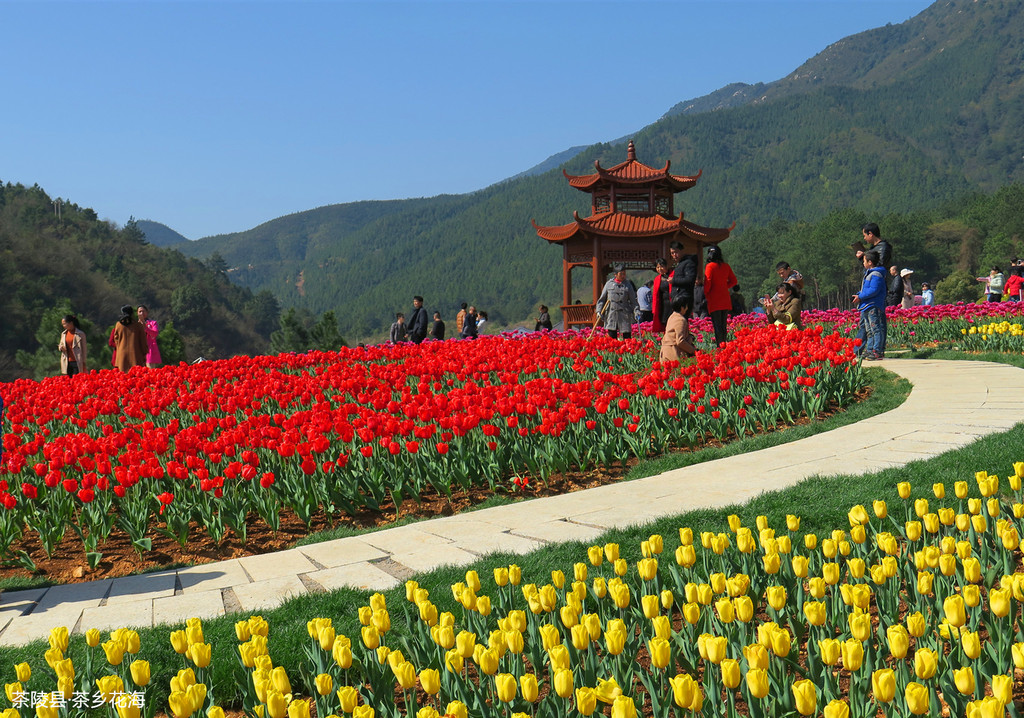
(578, 315)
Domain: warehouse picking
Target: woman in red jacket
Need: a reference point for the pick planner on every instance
(718, 282)
(661, 306)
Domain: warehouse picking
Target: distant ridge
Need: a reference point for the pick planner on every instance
(160, 234)
(896, 119)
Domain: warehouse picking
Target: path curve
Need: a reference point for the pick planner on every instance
(953, 403)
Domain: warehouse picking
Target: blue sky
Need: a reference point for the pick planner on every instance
(214, 117)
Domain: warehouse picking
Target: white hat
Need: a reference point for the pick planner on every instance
(905, 272)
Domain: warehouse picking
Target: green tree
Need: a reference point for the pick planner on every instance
(189, 305)
(264, 311)
(959, 286)
(217, 264)
(172, 347)
(325, 335)
(292, 336)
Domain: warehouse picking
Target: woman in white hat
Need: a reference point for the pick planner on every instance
(908, 288)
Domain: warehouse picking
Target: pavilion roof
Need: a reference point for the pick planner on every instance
(622, 224)
(631, 172)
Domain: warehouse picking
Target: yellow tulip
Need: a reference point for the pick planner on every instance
(757, 656)
(781, 642)
(971, 643)
(776, 597)
(899, 641)
(883, 685)
(619, 593)
(903, 488)
(559, 655)
(853, 654)
(837, 708)
(59, 638)
(489, 661)
(181, 706)
(806, 697)
(830, 572)
(1002, 689)
(925, 581)
(816, 587)
(515, 574)
(580, 637)
(298, 709)
(114, 651)
(815, 613)
(15, 692)
(726, 610)
(683, 689)
(686, 556)
(717, 646)
(623, 707)
(757, 682)
(651, 605)
(200, 653)
(563, 683)
(140, 673)
(647, 568)
(917, 697)
(505, 685)
(323, 683)
(660, 651)
(342, 654)
(925, 663)
(954, 610)
(607, 690)
(465, 642)
(860, 625)
(913, 530)
(964, 679)
(109, 686)
(730, 673)
(744, 608)
(611, 552)
(691, 612)
(586, 701)
(348, 697)
(45, 710)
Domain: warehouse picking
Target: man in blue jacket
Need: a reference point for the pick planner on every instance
(871, 299)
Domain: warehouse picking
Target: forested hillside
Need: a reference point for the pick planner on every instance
(901, 119)
(72, 262)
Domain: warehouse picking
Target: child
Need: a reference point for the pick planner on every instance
(675, 342)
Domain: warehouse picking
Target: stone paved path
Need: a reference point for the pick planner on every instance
(952, 404)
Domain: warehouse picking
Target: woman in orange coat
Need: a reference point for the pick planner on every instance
(676, 342)
(130, 345)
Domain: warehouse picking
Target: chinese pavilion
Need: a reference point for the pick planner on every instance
(631, 223)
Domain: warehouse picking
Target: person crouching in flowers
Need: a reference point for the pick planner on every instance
(676, 342)
(785, 308)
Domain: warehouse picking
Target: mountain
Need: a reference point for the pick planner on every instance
(895, 119)
(82, 265)
(160, 234)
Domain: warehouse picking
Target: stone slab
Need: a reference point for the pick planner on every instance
(270, 593)
(25, 630)
(178, 609)
(432, 557)
(404, 539)
(150, 585)
(212, 576)
(342, 552)
(359, 576)
(276, 565)
(82, 595)
(558, 531)
(122, 614)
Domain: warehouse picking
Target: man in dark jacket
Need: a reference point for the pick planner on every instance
(417, 324)
(437, 331)
(684, 275)
(873, 236)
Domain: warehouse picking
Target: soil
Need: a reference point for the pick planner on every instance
(68, 563)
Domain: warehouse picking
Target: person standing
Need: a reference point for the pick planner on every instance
(644, 299)
(129, 340)
(543, 320)
(437, 330)
(927, 295)
(788, 274)
(417, 324)
(684, 275)
(871, 298)
(398, 331)
(908, 289)
(661, 301)
(739, 304)
(1012, 286)
(676, 341)
(469, 324)
(460, 320)
(719, 280)
(153, 357)
(993, 285)
(72, 347)
(616, 304)
(873, 236)
(894, 288)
